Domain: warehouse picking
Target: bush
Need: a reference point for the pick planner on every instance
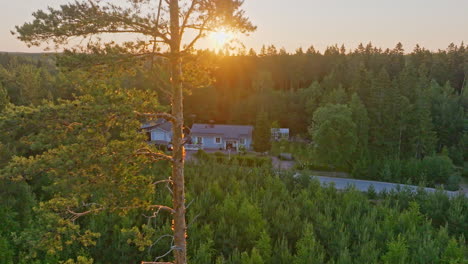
(361, 169)
(242, 150)
(245, 161)
(437, 169)
(453, 182)
(219, 154)
(202, 155)
(316, 167)
(262, 161)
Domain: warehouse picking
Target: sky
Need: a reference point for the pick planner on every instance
(432, 24)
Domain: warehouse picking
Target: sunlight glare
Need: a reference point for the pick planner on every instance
(220, 38)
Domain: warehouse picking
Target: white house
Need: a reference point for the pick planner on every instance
(279, 133)
(210, 136)
(159, 132)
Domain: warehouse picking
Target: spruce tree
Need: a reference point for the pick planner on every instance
(361, 119)
(378, 124)
(4, 101)
(309, 250)
(262, 133)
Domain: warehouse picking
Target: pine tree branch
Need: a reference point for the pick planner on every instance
(201, 33)
(76, 215)
(162, 181)
(166, 116)
(154, 155)
(187, 16)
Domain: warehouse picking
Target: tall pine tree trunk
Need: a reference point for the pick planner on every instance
(179, 225)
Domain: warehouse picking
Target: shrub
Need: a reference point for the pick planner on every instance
(437, 169)
(453, 182)
(202, 155)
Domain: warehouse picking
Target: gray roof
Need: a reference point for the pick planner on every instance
(228, 131)
(159, 123)
(280, 130)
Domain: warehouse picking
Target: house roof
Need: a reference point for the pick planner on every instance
(228, 131)
(159, 123)
(281, 130)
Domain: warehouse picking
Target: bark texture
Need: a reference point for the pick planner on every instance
(179, 224)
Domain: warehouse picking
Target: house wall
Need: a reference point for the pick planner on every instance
(159, 134)
(248, 142)
(210, 143)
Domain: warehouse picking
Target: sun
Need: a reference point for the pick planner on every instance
(220, 38)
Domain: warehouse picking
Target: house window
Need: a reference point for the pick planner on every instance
(199, 140)
(218, 140)
(242, 141)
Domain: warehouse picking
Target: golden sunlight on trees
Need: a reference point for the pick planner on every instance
(159, 27)
(221, 38)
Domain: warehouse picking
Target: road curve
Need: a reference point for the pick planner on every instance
(363, 185)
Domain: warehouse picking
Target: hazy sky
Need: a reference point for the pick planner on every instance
(293, 23)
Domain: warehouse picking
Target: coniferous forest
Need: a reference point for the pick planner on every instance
(68, 137)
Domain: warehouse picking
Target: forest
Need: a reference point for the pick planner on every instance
(68, 137)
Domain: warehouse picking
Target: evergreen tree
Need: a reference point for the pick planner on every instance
(421, 135)
(262, 133)
(164, 31)
(309, 250)
(4, 101)
(397, 252)
(376, 109)
(264, 247)
(361, 84)
(361, 119)
(311, 98)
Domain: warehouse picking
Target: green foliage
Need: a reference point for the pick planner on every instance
(334, 134)
(255, 217)
(438, 169)
(264, 247)
(397, 252)
(309, 251)
(4, 101)
(240, 159)
(361, 119)
(262, 133)
(412, 112)
(77, 153)
(86, 164)
(201, 155)
(453, 253)
(431, 171)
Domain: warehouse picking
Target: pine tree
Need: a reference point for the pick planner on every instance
(378, 124)
(264, 247)
(397, 252)
(361, 84)
(164, 29)
(262, 133)
(422, 138)
(361, 119)
(309, 250)
(4, 101)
